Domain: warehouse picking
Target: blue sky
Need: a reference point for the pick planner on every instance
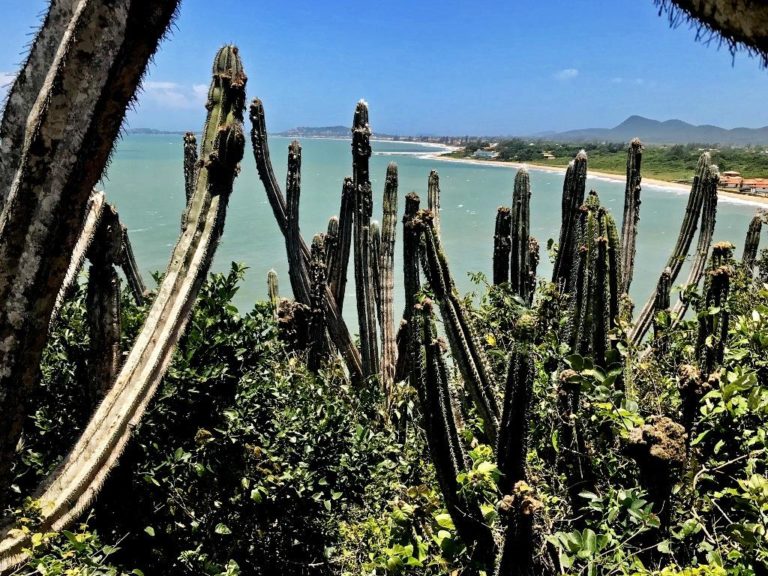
(440, 67)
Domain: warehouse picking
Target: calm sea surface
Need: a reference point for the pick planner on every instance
(145, 182)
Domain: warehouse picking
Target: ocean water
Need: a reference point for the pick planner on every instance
(145, 183)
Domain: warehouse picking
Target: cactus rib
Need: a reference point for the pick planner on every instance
(71, 487)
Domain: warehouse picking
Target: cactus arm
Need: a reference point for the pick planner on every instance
(103, 305)
(502, 245)
(71, 132)
(752, 242)
(574, 188)
(297, 266)
(93, 214)
(337, 272)
(26, 87)
(131, 270)
(533, 264)
(364, 289)
(73, 485)
(375, 232)
(682, 245)
(331, 243)
(520, 266)
(699, 263)
(444, 441)
(273, 288)
(464, 346)
(713, 328)
(386, 265)
(631, 213)
(516, 556)
(336, 325)
(433, 197)
(317, 318)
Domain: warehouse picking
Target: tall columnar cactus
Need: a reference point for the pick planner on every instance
(364, 288)
(511, 454)
(687, 230)
(317, 318)
(631, 213)
(103, 305)
(300, 281)
(273, 288)
(502, 245)
(574, 188)
(76, 482)
(533, 263)
(337, 328)
(752, 242)
(386, 266)
(411, 283)
(331, 242)
(72, 125)
(26, 87)
(522, 277)
(714, 316)
(433, 197)
(429, 376)
(595, 300)
(337, 269)
(699, 263)
(131, 270)
(466, 350)
(375, 271)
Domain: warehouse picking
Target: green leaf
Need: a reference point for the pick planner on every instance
(222, 529)
(445, 521)
(149, 530)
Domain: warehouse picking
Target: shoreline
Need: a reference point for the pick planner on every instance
(731, 197)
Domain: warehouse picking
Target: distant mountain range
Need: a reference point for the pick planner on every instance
(667, 132)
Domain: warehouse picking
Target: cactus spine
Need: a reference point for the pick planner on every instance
(465, 348)
(386, 266)
(574, 187)
(687, 230)
(364, 288)
(631, 213)
(317, 318)
(73, 123)
(752, 242)
(522, 278)
(502, 245)
(74, 484)
(433, 197)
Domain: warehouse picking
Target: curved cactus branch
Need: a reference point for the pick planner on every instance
(335, 323)
(26, 87)
(72, 128)
(699, 263)
(631, 213)
(93, 214)
(752, 242)
(683, 244)
(465, 348)
(73, 485)
(574, 188)
(386, 266)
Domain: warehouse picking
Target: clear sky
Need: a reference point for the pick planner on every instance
(440, 66)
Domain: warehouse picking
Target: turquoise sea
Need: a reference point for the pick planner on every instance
(145, 183)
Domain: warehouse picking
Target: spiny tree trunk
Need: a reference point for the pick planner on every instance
(74, 122)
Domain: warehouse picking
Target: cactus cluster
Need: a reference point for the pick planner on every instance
(714, 315)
